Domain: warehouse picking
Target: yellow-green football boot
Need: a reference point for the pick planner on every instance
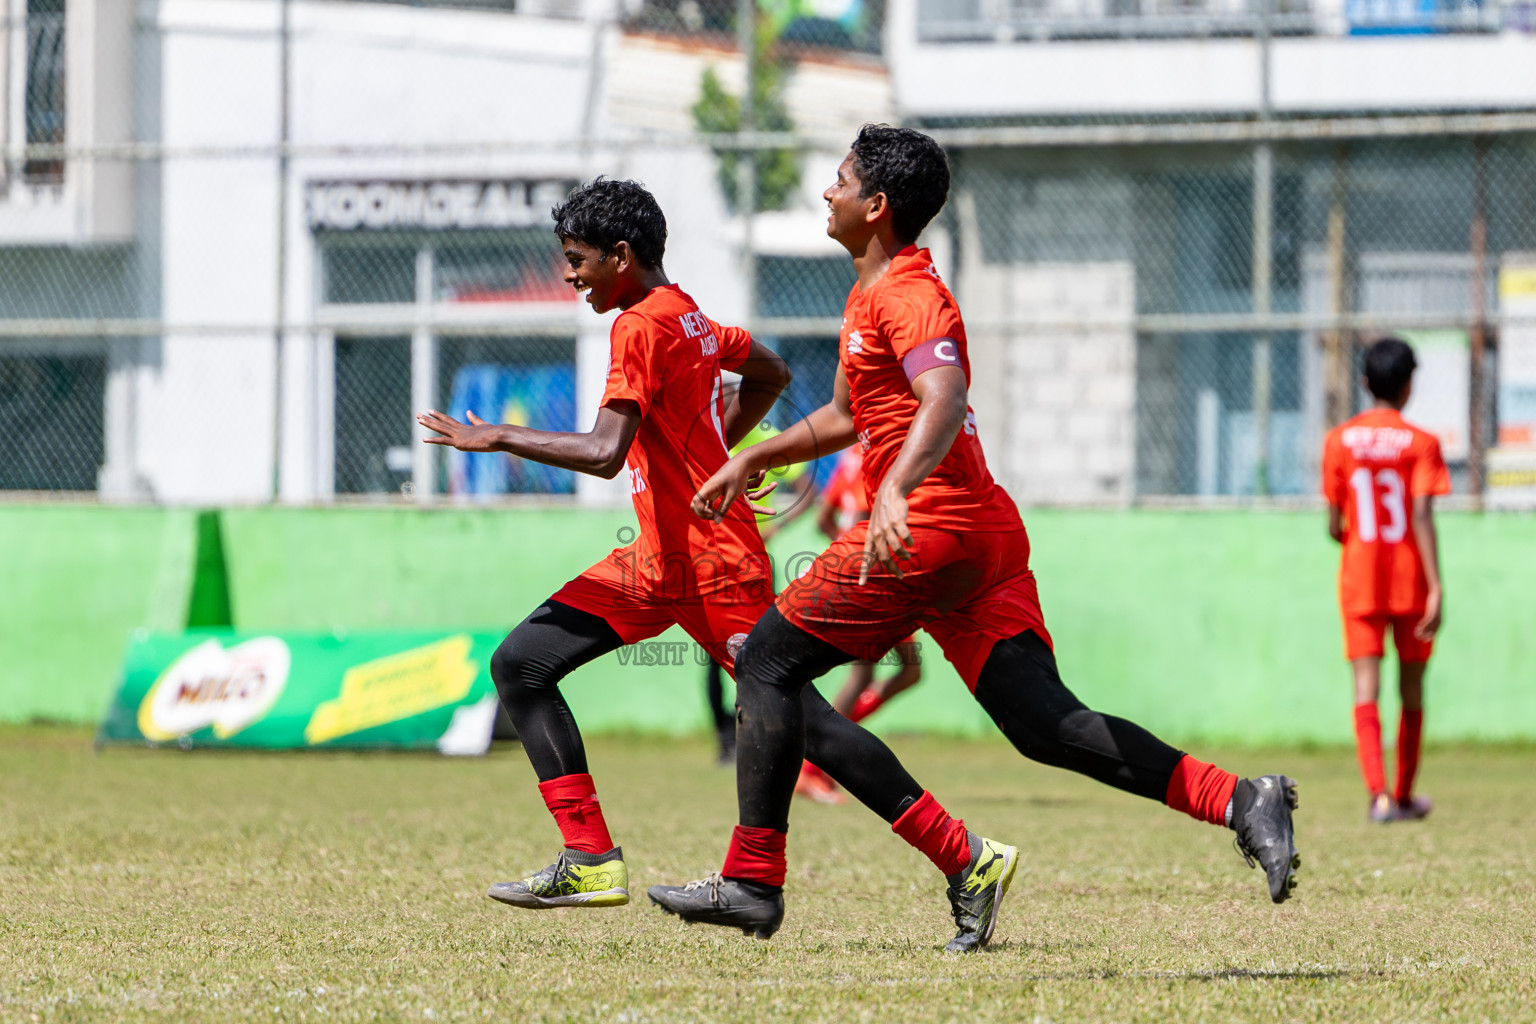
(575, 879)
(976, 893)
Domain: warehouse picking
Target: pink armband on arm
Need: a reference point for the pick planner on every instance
(931, 353)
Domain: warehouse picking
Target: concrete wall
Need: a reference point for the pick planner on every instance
(1065, 397)
(1204, 626)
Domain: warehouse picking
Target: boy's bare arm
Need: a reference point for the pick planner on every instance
(1429, 555)
(600, 452)
(822, 432)
(764, 376)
(1336, 523)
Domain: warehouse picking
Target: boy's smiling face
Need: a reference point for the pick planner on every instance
(588, 270)
(848, 219)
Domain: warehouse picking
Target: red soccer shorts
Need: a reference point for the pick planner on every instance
(968, 590)
(719, 622)
(1365, 636)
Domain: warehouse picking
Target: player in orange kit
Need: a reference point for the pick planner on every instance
(943, 550)
(1380, 477)
(666, 423)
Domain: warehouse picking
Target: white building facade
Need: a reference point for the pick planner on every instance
(242, 242)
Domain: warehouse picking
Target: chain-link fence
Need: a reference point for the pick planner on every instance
(1164, 308)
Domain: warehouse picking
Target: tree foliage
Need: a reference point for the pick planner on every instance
(717, 111)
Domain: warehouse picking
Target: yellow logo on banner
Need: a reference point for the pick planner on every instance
(1517, 283)
(399, 686)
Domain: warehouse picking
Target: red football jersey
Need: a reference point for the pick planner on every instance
(1373, 467)
(667, 357)
(908, 306)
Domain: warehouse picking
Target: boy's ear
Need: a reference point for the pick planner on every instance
(623, 256)
(878, 205)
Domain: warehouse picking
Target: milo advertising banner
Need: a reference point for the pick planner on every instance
(217, 688)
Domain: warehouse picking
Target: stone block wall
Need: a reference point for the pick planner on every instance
(1054, 365)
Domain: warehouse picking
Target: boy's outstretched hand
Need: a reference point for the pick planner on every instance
(475, 436)
(730, 482)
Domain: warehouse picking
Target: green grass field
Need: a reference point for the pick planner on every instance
(155, 885)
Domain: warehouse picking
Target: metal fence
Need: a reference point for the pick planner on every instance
(1165, 310)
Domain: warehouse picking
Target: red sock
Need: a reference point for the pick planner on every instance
(868, 703)
(1409, 729)
(756, 855)
(1368, 745)
(1200, 790)
(808, 770)
(940, 838)
(573, 801)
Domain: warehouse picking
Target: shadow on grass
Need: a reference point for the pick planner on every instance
(1226, 974)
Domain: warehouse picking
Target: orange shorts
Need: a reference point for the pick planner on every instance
(1365, 636)
(718, 622)
(968, 590)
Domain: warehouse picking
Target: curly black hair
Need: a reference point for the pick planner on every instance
(1389, 364)
(604, 213)
(909, 167)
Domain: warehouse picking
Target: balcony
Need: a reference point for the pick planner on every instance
(940, 21)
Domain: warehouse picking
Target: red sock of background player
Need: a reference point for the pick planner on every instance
(756, 855)
(1409, 729)
(1368, 745)
(868, 703)
(937, 836)
(1201, 790)
(572, 799)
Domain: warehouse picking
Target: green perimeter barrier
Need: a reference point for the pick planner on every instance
(77, 580)
(1205, 626)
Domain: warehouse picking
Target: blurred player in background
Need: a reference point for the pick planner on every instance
(1380, 477)
(943, 549)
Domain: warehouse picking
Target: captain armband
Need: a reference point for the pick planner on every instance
(931, 353)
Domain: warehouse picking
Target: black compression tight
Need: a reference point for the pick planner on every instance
(527, 669)
(530, 663)
(1021, 690)
(784, 719)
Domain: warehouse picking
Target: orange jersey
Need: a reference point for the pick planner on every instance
(1373, 467)
(881, 325)
(666, 358)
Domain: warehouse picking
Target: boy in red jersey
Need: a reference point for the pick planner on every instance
(1380, 477)
(944, 549)
(665, 422)
(664, 416)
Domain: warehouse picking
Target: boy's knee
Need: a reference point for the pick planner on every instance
(511, 669)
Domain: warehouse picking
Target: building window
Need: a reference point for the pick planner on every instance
(373, 415)
(52, 416)
(452, 280)
(368, 270)
(45, 87)
(530, 381)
